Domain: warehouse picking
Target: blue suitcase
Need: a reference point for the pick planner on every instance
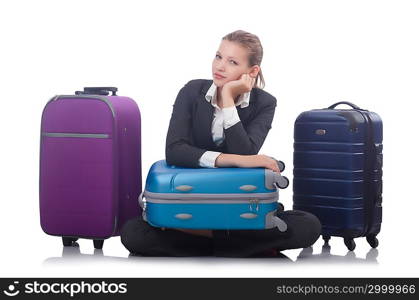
(338, 171)
(219, 198)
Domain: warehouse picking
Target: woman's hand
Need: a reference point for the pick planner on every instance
(234, 88)
(247, 161)
(255, 161)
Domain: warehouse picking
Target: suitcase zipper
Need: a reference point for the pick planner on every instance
(77, 135)
(211, 198)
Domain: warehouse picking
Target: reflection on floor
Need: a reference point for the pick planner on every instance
(306, 255)
(72, 254)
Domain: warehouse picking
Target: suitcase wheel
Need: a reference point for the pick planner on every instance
(288, 182)
(373, 241)
(285, 183)
(68, 241)
(281, 166)
(326, 238)
(98, 244)
(281, 207)
(350, 244)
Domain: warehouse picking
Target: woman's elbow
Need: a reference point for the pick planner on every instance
(175, 156)
(170, 156)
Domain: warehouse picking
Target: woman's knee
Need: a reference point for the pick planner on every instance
(133, 236)
(315, 229)
(305, 227)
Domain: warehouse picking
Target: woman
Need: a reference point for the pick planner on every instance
(223, 123)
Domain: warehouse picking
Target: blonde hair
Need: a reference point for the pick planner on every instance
(252, 43)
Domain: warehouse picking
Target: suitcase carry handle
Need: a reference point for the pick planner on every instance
(272, 220)
(344, 102)
(104, 91)
(142, 206)
(280, 224)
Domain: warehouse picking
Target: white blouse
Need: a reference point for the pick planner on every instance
(224, 118)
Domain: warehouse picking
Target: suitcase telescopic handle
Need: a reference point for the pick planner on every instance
(344, 102)
(104, 91)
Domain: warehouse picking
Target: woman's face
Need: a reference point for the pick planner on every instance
(230, 62)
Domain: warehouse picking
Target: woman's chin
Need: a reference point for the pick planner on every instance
(219, 82)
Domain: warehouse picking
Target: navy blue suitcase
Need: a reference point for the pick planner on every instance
(338, 171)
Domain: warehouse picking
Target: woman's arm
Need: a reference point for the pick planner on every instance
(179, 149)
(249, 140)
(246, 161)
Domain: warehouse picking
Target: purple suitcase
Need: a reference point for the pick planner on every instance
(90, 165)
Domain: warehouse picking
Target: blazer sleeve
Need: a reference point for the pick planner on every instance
(248, 140)
(180, 150)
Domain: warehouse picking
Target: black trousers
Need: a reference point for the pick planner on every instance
(140, 238)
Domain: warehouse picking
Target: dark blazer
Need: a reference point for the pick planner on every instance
(189, 134)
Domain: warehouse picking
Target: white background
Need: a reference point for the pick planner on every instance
(316, 53)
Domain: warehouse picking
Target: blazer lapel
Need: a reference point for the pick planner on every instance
(244, 113)
(204, 116)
